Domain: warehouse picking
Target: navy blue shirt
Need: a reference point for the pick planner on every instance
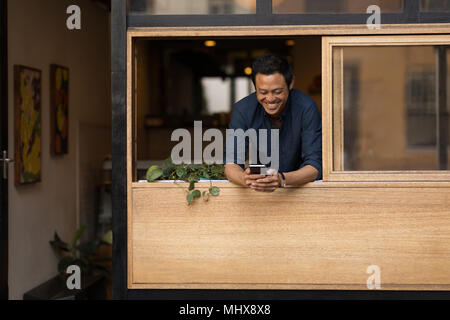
(300, 134)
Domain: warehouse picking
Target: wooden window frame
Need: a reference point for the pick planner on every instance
(333, 112)
(122, 39)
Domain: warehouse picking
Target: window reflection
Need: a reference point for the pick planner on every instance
(389, 104)
(219, 93)
(435, 5)
(334, 6)
(192, 7)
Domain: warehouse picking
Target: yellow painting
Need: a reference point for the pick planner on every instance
(59, 109)
(27, 116)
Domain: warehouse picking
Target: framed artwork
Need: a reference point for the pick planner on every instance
(27, 125)
(59, 109)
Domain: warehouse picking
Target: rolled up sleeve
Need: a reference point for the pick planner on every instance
(312, 139)
(231, 154)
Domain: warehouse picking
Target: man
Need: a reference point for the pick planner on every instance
(276, 105)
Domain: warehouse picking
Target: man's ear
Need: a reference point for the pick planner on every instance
(292, 83)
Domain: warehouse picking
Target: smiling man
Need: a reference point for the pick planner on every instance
(276, 105)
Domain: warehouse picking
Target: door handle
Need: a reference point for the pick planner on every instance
(5, 160)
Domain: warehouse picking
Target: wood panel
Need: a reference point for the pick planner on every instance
(230, 31)
(315, 184)
(431, 175)
(327, 108)
(130, 148)
(338, 109)
(295, 238)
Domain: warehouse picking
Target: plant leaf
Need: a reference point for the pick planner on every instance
(58, 244)
(153, 173)
(108, 237)
(88, 249)
(214, 191)
(196, 193)
(181, 172)
(77, 236)
(168, 164)
(168, 167)
(190, 198)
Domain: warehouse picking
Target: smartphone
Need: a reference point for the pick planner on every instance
(257, 169)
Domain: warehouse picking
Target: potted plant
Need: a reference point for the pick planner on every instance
(94, 266)
(190, 173)
(83, 255)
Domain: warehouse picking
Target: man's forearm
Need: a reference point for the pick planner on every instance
(235, 174)
(301, 176)
(308, 173)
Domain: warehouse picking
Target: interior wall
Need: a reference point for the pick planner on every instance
(38, 37)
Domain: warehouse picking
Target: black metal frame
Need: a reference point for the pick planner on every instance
(119, 147)
(3, 146)
(264, 16)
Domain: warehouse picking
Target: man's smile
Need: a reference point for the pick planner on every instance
(273, 106)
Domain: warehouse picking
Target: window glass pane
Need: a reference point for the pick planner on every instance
(244, 87)
(385, 109)
(192, 6)
(435, 5)
(335, 6)
(216, 93)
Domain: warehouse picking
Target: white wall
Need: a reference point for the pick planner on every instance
(37, 37)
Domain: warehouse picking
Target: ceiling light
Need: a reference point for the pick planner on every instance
(210, 43)
(290, 43)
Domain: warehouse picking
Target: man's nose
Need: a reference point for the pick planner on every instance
(270, 98)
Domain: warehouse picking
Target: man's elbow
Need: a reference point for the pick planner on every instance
(313, 173)
(235, 174)
(316, 174)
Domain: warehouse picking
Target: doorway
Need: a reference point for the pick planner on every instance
(3, 146)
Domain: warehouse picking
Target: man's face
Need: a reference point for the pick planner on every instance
(272, 92)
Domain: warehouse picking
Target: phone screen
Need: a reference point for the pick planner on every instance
(256, 168)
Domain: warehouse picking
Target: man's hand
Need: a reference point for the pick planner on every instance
(261, 183)
(249, 178)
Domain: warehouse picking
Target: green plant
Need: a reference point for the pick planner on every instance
(190, 173)
(82, 255)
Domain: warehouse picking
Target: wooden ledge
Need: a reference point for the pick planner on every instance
(315, 184)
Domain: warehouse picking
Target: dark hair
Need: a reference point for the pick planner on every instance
(270, 63)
